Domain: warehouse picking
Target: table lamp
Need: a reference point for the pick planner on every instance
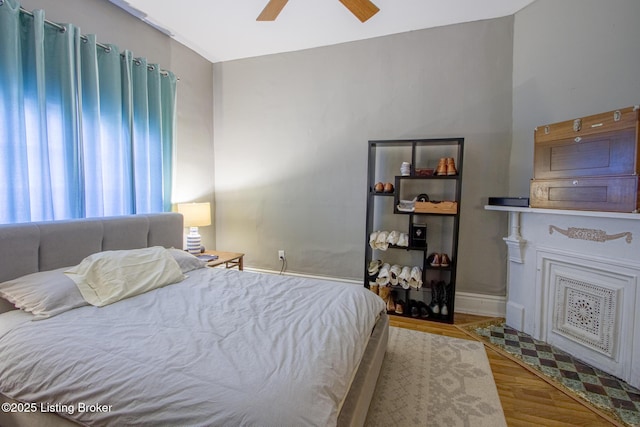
(195, 215)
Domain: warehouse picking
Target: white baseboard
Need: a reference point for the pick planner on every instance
(469, 303)
(480, 304)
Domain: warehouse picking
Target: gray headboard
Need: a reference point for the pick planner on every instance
(39, 246)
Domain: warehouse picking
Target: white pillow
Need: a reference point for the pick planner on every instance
(44, 294)
(186, 261)
(107, 277)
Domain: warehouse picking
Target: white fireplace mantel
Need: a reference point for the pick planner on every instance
(574, 282)
(597, 214)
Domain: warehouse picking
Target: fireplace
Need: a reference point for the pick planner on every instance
(573, 283)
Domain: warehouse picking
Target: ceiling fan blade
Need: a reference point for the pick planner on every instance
(271, 10)
(362, 9)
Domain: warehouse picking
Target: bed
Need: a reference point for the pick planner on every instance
(216, 347)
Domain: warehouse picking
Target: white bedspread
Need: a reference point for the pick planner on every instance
(223, 348)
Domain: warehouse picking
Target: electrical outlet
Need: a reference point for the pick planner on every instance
(281, 255)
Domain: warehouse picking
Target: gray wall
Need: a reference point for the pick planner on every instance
(291, 129)
(291, 143)
(194, 158)
(571, 58)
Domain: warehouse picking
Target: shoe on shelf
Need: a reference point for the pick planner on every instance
(399, 307)
(434, 306)
(391, 302)
(434, 260)
(384, 292)
(424, 311)
(444, 310)
(414, 309)
(373, 279)
(451, 166)
(404, 277)
(381, 240)
(373, 271)
(373, 287)
(374, 266)
(393, 237)
(383, 275)
(442, 167)
(394, 272)
(444, 260)
(403, 240)
(373, 237)
(415, 278)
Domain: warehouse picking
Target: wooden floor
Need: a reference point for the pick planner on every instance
(526, 399)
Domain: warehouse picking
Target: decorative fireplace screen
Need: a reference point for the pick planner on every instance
(586, 313)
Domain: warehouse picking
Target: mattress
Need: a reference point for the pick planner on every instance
(222, 347)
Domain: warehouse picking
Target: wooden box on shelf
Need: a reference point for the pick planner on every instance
(444, 207)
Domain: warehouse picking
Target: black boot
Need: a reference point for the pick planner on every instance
(434, 306)
(444, 309)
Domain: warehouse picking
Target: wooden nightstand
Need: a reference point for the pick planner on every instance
(229, 259)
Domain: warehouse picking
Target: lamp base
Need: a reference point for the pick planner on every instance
(193, 241)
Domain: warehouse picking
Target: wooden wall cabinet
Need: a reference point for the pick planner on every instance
(589, 163)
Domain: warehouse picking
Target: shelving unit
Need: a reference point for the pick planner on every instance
(385, 160)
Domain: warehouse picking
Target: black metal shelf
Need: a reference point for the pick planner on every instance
(399, 212)
(427, 176)
(452, 184)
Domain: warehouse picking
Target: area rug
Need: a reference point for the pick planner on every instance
(605, 394)
(433, 380)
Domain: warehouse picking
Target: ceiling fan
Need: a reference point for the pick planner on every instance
(362, 9)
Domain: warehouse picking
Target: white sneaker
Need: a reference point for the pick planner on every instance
(415, 279)
(393, 238)
(383, 276)
(394, 273)
(404, 277)
(381, 240)
(372, 239)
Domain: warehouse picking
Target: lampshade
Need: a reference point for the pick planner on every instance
(195, 214)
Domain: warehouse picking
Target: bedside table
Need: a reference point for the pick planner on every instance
(229, 259)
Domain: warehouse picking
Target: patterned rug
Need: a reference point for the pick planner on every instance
(606, 393)
(433, 380)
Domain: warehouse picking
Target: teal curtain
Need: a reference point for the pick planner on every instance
(84, 131)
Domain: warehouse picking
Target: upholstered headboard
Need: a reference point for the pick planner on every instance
(40, 246)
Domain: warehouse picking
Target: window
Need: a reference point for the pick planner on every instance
(85, 130)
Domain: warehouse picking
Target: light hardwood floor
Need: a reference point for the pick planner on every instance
(527, 400)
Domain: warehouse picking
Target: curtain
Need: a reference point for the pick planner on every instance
(84, 131)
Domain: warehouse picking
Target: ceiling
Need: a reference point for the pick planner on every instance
(223, 30)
